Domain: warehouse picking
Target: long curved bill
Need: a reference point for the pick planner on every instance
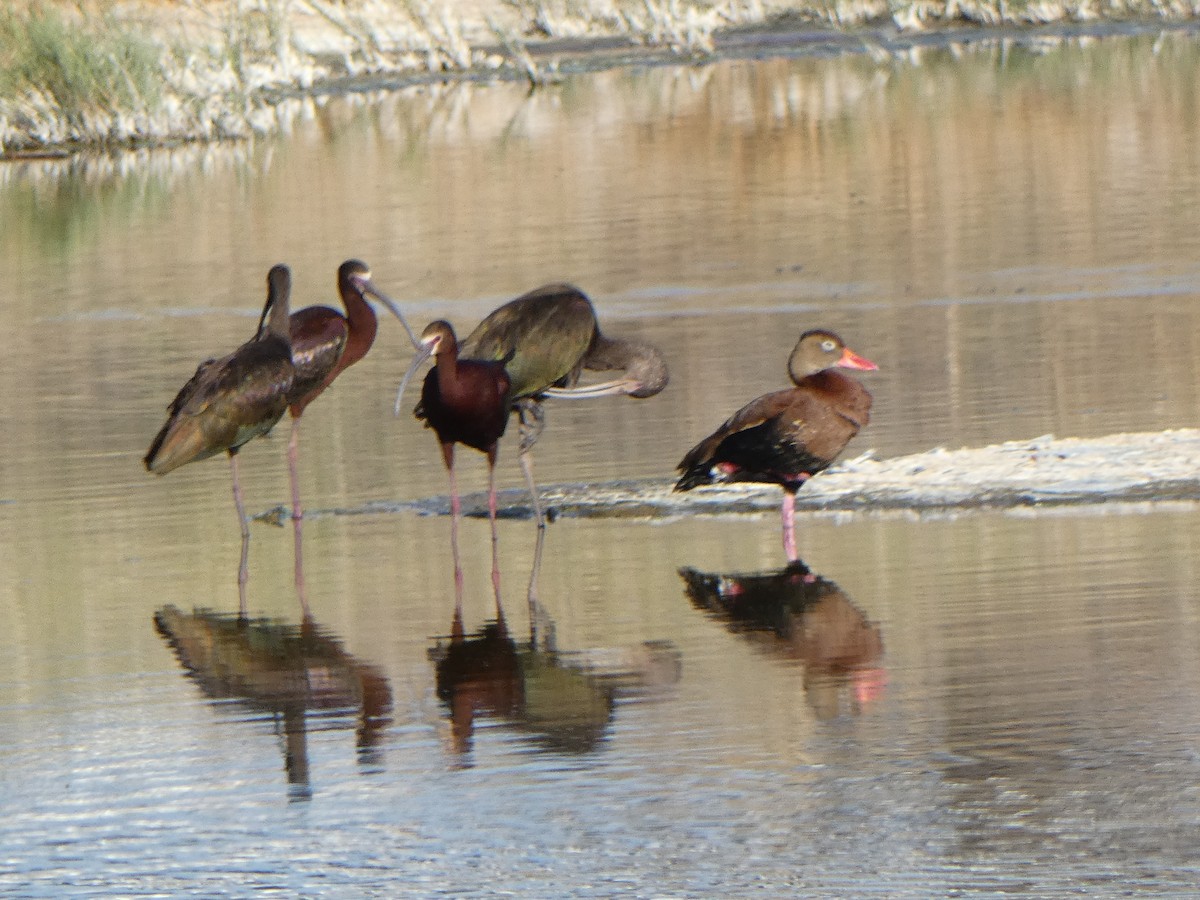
(851, 360)
(424, 351)
(368, 287)
(589, 391)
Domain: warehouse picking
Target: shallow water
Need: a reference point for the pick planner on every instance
(984, 704)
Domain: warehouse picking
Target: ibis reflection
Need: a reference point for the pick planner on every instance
(287, 671)
(798, 616)
(560, 701)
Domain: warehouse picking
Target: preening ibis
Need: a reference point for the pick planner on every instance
(530, 348)
(545, 339)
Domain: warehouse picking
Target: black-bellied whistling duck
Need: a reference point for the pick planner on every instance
(788, 436)
(232, 400)
(324, 344)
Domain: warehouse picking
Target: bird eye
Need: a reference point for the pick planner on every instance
(828, 346)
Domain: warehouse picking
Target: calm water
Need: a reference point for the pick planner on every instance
(987, 704)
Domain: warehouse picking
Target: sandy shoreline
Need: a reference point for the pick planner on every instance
(1038, 473)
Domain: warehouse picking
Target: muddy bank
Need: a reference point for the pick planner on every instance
(147, 73)
(1040, 472)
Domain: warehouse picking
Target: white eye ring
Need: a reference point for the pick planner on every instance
(827, 345)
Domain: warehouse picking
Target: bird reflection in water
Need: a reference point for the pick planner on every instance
(286, 671)
(562, 702)
(798, 616)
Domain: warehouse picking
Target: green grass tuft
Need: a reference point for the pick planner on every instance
(84, 68)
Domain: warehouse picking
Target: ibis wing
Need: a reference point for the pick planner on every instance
(541, 337)
(243, 386)
(319, 337)
(225, 403)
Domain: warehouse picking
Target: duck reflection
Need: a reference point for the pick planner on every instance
(562, 702)
(285, 670)
(801, 617)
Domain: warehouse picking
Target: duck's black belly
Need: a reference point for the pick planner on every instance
(767, 454)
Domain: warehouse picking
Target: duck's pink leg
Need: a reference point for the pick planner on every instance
(788, 513)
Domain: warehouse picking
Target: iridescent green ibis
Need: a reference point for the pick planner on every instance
(465, 401)
(232, 400)
(788, 436)
(324, 344)
(545, 339)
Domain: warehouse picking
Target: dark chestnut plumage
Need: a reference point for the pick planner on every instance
(324, 344)
(232, 400)
(788, 436)
(539, 342)
(465, 401)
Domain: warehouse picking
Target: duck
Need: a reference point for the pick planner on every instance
(787, 436)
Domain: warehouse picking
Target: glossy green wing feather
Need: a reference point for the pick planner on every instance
(224, 404)
(541, 336)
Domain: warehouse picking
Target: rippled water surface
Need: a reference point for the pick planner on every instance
(993, 703)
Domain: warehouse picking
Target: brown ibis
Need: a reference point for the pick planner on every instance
(788, 436)
(541, 342)
(546, 338)
(324, 344)
(232, 400)
(465, 401)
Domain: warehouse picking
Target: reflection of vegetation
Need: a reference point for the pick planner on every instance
(144, 74)
(62, 203)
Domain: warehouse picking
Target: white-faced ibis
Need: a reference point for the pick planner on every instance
(232, 400)
(545, 339)
(540, 341)
(465, 401)
(324, 344)
(788, 436)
